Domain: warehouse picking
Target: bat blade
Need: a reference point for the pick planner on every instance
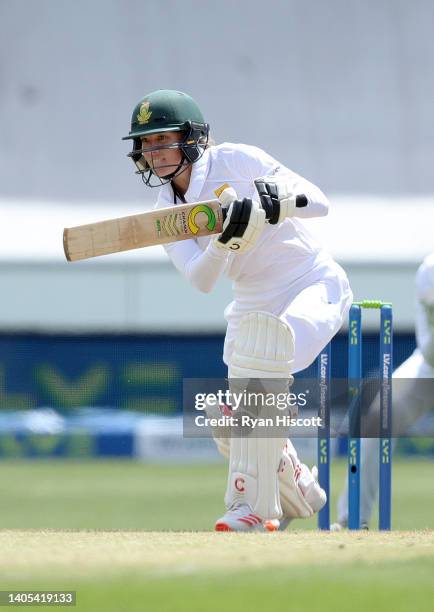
(159, 226)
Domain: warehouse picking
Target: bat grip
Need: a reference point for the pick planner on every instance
(300, 202)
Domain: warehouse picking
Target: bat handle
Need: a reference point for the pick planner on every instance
(300, 202)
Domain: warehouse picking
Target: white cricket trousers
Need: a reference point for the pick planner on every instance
(315, 313)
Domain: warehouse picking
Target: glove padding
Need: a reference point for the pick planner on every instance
(244, 222)
(276, 197)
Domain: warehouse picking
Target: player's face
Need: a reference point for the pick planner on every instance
(162, 160)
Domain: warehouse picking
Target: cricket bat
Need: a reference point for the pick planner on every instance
(158, 226)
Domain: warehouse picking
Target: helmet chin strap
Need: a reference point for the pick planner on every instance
(183, 163)
(163, 180)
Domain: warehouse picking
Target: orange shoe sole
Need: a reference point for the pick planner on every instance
(272, 525)
(222, 527)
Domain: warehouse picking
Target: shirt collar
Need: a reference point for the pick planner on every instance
(199, 172)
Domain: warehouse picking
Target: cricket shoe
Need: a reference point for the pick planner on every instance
(337, 527)
(284, 522)
(344, 525)
(310, 493)
(241, 518)
(313, 493)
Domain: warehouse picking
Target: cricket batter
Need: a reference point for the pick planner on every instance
(411, 399)
(290, 297)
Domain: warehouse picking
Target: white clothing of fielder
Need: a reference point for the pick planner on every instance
(411, 400)
(295, 290)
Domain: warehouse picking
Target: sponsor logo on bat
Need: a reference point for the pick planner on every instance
(201, 208)
(169, 225)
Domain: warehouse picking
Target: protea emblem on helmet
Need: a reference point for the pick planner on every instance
(144, 113)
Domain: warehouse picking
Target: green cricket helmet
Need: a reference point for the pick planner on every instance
(166, 110)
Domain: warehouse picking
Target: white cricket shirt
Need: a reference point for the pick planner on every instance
(286, 257)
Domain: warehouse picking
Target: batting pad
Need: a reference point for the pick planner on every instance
(263, 350)
(253, 475)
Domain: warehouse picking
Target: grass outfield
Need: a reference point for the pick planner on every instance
(132, 537)
(130, 495)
